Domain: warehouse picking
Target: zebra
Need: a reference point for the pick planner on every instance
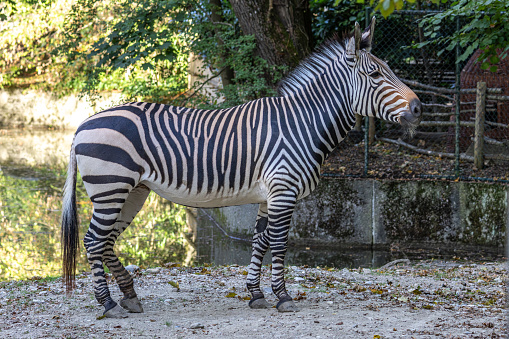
(268, 151)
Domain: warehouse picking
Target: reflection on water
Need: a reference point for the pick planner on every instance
(21, 148)
(30, 227)
(32, 173)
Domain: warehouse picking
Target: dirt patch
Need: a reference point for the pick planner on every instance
(389, 161)
(426, 299)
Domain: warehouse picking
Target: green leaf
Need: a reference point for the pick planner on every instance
(147, 66)
(113, 48)
(494, 59)
(493, 68)
(165, 45)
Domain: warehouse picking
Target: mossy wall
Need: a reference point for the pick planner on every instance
(382, 213)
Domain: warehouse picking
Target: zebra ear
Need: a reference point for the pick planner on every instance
(368, 34)
(354, 43)
(358, 37)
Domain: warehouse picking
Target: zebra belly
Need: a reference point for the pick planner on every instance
(257, 193)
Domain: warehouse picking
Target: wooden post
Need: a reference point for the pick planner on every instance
(480, 111)
(371, 130)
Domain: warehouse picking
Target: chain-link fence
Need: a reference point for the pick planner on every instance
(466, 139)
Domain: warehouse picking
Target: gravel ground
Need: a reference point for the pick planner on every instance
(422, 299)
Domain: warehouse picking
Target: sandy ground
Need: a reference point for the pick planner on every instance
(424, 299)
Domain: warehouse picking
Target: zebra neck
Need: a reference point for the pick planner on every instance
(326, 112)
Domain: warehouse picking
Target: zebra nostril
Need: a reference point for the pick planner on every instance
(416, 107)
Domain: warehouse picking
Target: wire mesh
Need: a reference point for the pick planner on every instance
(433, 150)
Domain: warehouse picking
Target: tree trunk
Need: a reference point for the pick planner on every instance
(282, 29)
(227, 73)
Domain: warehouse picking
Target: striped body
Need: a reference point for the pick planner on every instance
(268, 151)
(204, 158)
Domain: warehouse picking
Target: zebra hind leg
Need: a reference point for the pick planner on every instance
(132, 206)
(260, 246)
(108, 205)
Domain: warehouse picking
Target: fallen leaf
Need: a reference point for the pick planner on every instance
(300, 295)
(174, 284)
(231, 295)
(358, 288)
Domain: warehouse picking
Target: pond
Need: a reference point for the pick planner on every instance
(32, 174)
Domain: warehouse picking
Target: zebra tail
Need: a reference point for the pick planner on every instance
(69, 227)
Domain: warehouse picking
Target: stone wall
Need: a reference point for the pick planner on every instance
(376, 213)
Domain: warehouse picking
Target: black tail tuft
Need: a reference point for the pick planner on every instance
(69, 228)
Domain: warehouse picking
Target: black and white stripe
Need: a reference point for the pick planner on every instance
(268, 151)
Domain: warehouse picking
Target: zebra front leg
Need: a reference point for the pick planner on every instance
(280, 215)
(259, 248)
(131, 207)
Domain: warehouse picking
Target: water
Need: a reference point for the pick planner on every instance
(32, 173)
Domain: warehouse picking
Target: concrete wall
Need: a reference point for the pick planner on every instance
(36, 108)
(383, 213)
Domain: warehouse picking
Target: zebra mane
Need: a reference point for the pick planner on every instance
(316, 63)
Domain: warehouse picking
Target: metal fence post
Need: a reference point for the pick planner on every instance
(457, 111)
(366, 145)
(366, 119)
(480, 110)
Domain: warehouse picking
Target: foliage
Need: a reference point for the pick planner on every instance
(221, 45)
(387, 7)
(332, 16)
(141, 48)
(28, 31)
(485, 27)
(126, 46)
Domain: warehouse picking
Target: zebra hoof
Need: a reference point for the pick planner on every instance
(133, 305)
(259, 303)
(116, 312)
(287, 306)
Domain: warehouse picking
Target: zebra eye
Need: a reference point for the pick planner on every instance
(375, 74)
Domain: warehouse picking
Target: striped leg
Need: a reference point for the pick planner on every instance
(108, 205)
(260, 246)
(280, 214)
(132, 206)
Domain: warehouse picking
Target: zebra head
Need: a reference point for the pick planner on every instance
(377, 91)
